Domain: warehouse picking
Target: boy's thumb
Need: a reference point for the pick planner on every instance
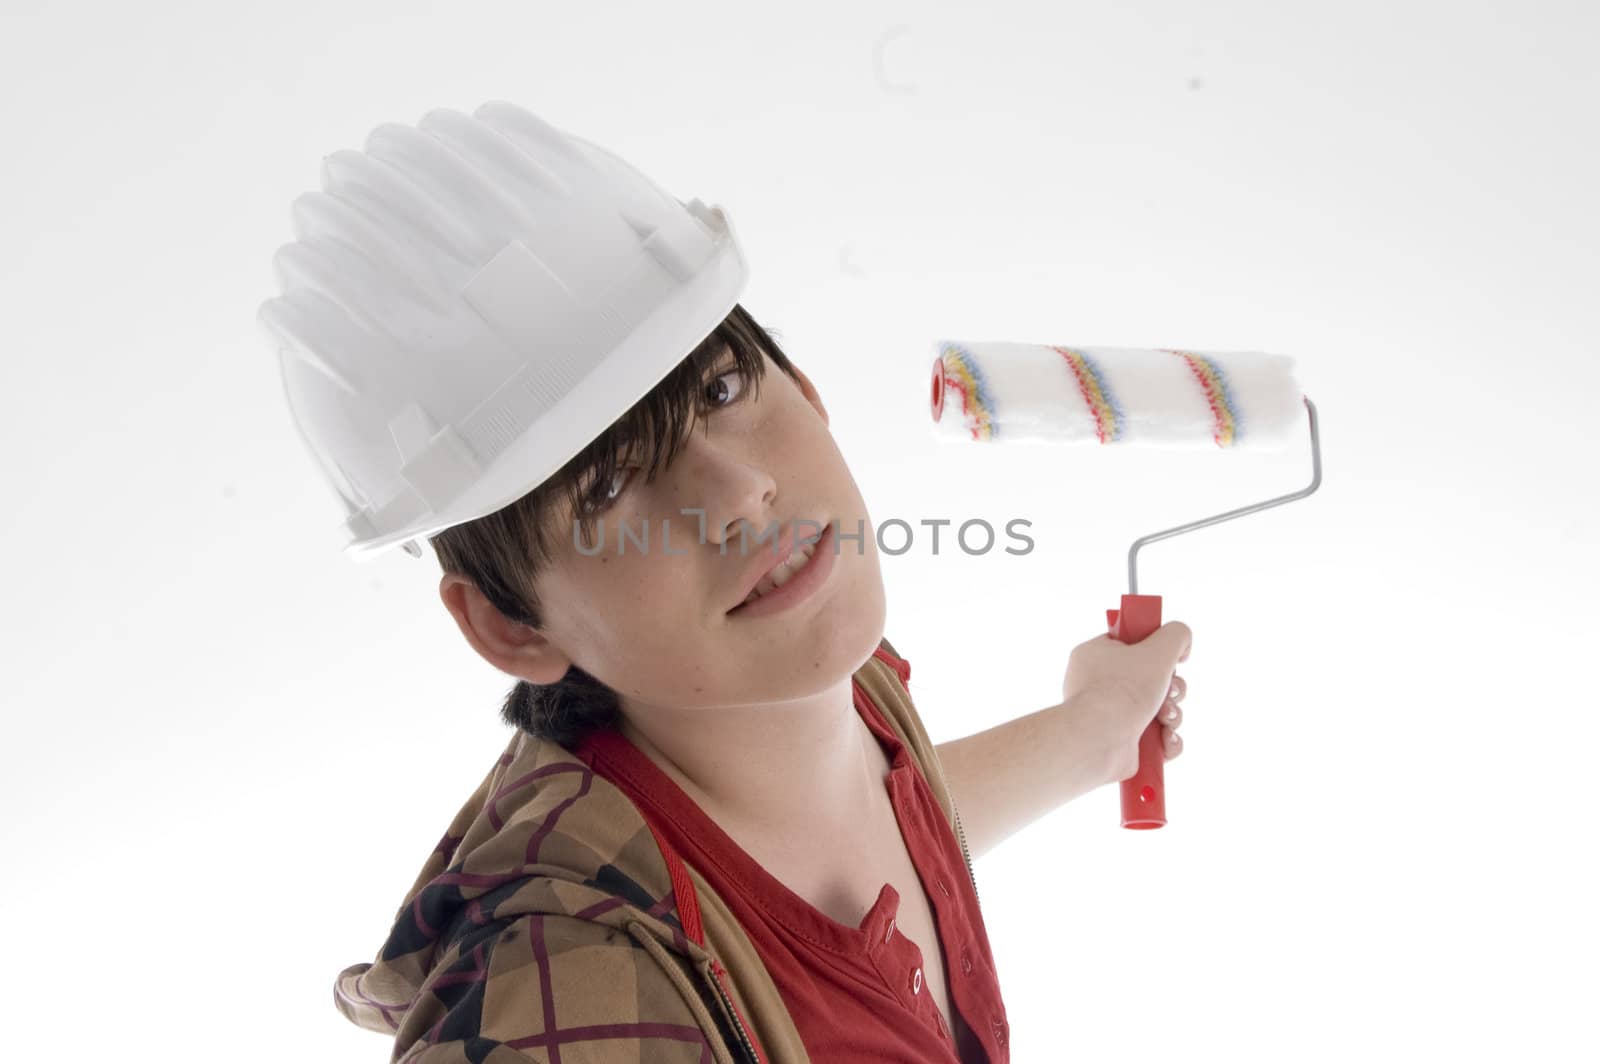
(1180, 637)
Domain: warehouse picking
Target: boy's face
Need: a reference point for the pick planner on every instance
(651, 619)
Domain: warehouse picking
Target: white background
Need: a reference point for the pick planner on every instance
(229, 748)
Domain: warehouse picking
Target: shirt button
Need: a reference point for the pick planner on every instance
(999, 1031)
(916, 982)
(942, 889)
(888, 930)
(966, 962)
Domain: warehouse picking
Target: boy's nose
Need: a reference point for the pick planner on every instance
(732, 490)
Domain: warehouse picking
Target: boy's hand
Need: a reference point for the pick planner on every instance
(1117, 688)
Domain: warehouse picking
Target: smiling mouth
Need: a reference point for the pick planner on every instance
(782, 574)
(794, 572)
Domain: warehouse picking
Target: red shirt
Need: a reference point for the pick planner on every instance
(856, 994)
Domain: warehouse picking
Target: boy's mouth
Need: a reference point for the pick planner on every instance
(787, 560)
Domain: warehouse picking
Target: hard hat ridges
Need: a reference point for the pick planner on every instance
(396, 239)
(401, 200)
(307, 335)
(345, 219)
(535, 136)
(481, 214)
(498, 155)
(337, 273)
(638, 192)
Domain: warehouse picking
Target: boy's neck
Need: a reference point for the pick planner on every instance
(808, 768)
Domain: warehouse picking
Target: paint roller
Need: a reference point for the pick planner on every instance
(1001, 392)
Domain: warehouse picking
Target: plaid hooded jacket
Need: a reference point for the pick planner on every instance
(549, 923)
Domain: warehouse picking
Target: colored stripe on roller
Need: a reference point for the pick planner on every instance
(966, 379)
(1097, 396)
(1214, 384)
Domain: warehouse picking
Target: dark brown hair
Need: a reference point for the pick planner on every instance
(504, 552)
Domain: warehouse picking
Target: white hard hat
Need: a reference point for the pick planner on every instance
(472, 300)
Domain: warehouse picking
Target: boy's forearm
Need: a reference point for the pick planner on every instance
(1010, 775)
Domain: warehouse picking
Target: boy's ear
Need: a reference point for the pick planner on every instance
(809, 391)
(513, 648)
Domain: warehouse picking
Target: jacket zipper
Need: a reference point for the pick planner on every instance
(751, 1056)
(961, 836)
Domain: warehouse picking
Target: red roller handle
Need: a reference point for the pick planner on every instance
(1144, 799)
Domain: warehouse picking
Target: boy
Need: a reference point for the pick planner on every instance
(720, 831)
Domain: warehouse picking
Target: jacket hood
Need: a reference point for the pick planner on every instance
(542, 833)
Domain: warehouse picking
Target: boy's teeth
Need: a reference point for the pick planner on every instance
(780, 576)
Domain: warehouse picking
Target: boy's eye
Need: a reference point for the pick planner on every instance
(719, 394)
(619, 483)
(597, 496)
